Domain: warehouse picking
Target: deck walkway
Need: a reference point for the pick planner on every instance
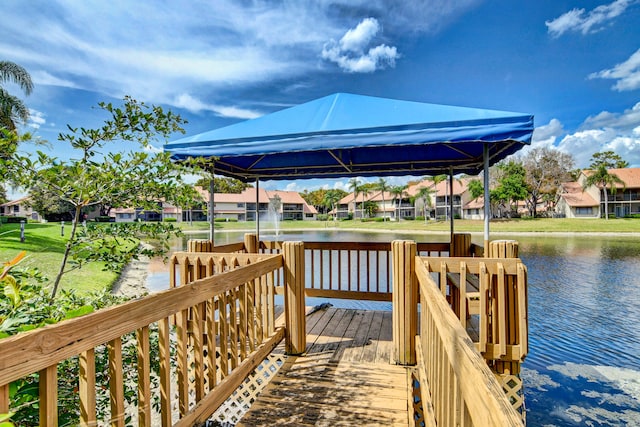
(344, 377)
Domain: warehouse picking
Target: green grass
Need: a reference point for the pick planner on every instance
(45, 247)
(552, 225)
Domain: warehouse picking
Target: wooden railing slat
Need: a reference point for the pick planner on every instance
(164, 356)
(144, 377)
(48, 383)
(116, 382)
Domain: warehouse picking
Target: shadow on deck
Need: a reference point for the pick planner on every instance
(345, 376)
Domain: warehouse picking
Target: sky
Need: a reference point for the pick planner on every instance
(574, 65)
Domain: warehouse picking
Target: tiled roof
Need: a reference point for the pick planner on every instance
(574, 196)
(630, 176)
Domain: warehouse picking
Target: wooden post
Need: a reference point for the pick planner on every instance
(294, 303)
(196, 245)
(460, 245)
(405, 302)
(251, 243)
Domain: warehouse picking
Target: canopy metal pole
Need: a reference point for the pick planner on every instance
(487, 207)
(211, 207)
(451, 200)
(258, 209)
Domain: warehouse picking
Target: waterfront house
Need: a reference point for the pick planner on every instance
(576, 201)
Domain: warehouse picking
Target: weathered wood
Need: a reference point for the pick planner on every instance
(87, 387)
(294, 274)
(48, 383)
(328, 386)
(405, 301)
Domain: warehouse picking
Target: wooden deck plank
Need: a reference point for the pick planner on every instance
(331, 384)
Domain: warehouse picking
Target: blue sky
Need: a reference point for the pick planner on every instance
(575, 65)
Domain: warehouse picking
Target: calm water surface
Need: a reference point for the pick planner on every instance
(583, 367)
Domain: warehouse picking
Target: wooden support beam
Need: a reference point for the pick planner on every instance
(405, 302)
(296, 335)
(49, 396)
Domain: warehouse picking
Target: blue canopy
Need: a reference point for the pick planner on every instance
(346, 135)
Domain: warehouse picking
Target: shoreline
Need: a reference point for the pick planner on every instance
(270, 231)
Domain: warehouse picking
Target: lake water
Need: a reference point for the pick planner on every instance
(583, 367)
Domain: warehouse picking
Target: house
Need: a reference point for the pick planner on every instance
(385, 205)
(19, 207)
(579, 202)
(242, 206)
(441, 199)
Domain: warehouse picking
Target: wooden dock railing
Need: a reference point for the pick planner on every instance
(230, 308)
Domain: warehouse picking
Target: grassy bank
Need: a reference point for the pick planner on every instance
(539, 225)
(45, 247)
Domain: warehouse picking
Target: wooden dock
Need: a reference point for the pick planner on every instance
(345, 376)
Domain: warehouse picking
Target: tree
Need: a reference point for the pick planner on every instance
(608, 159)
(437, 179)
(382, 186)
(354, 185)
(223, 185)
(424, 194)
(602, 178)
(316, 198)
(546, 168)
(331, 199)
(135, 179)
(12, 109)
(512, 185)
(476, 188)
(397, 192)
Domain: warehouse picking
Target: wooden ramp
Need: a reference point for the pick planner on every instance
(344, 378)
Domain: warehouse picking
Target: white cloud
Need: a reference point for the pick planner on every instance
(41, 77)
(579, 20)
(36, 119)
(190, 103)
(626, 73)
(350, 52)
(606, 131)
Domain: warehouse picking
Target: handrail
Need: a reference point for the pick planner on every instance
(223, 307)
(351, 270)
(459, 386)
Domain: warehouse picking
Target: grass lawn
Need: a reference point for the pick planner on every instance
(553, 225)
(45, 247)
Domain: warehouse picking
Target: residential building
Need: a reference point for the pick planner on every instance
(576, 201)
(19, 207)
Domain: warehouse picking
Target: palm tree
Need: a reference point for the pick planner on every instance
(602, 178)
(12, 109)
(330, 199)
(397, 192)
(354, 184)
(425, 194)
(437, 179)
(382, 186)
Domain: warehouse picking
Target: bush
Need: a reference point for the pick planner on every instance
(408, 218)
(420, 218)
(15, 219)
(105, 218)
(322, 217)
(225, 220)
(170, 219)
(634, 215)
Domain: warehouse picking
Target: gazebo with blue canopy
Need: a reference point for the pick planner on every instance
(346, 135)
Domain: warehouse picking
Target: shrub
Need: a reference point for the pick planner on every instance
(15, 219)
(170, 219)
(105, 218)
(420, 218)
(322, 217)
